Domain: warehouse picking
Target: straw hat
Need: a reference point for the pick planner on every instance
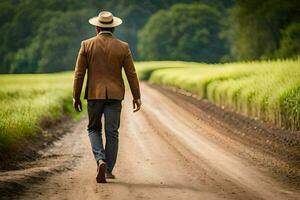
(105, 19)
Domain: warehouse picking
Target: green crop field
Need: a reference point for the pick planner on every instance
(27, 100)
(268, 90)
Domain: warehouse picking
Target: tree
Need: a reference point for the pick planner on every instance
(290, 42)
(258, 27)
(24, 26)
(183, 32)
(59, 40)
(23, 45)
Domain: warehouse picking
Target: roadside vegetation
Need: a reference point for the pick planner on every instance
(27, 101)
(266, 90)
(213, 31)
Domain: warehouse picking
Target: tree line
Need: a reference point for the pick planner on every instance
(45, 35)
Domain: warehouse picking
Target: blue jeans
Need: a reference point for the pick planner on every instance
(111, 108)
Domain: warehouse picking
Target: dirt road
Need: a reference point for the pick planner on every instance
(166, 152)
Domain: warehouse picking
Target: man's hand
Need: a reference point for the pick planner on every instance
(136, 104)
(77, 105)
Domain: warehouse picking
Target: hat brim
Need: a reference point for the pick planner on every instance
(116, 22)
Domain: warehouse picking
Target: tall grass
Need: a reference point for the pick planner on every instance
(27, 100)
(268, 90)
(145, 69)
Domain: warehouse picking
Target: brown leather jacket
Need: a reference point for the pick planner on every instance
(103, 57)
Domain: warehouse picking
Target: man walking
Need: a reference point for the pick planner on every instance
(103, 57)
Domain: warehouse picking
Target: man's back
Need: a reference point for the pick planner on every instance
(103, 56)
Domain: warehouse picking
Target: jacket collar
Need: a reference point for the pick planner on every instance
(105, 32)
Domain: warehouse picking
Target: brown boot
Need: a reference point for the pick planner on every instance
(109, 175)
(101, 172)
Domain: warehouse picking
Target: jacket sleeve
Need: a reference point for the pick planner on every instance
(80, 70)
(131, 74)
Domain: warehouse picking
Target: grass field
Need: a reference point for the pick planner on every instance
(27, 100)
(269, 91)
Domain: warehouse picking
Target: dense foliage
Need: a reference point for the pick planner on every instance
(268, 90)
(40, 36)
(251, 29)
(44, 35)
(27, 100)
(184, 32)
(265, 29)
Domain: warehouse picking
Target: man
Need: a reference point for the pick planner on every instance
(103, 57)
